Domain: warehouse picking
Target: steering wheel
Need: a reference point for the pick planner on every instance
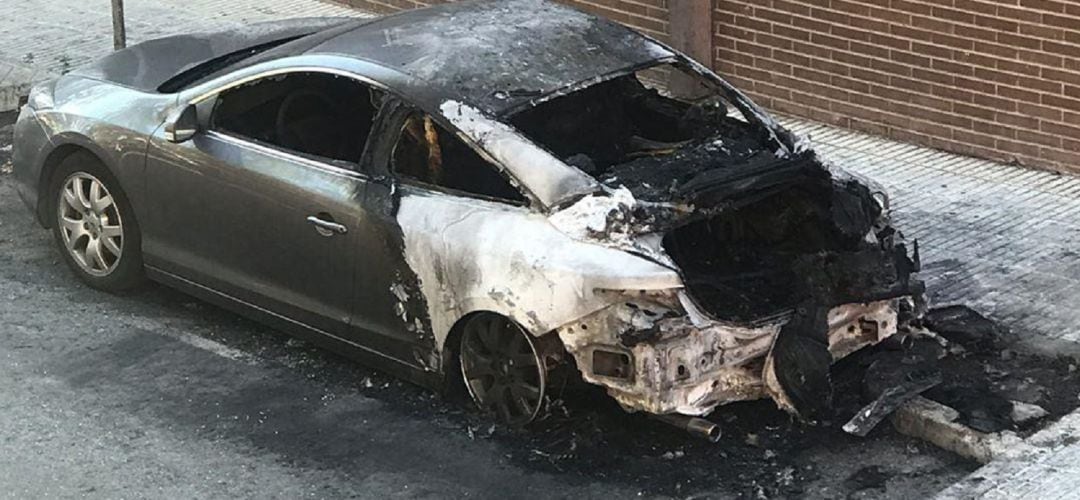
(323, 104)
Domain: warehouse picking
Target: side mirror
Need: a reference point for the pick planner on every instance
(182, 124)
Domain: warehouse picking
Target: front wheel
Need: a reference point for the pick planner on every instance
(502, 368)
(94, 226)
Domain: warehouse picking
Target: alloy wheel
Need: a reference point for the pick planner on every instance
(502, 369)
(90, 224)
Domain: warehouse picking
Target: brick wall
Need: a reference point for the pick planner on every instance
(998, 79)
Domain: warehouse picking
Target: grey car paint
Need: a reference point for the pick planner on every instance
(226, 220)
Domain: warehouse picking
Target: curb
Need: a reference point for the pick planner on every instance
(1045, 465)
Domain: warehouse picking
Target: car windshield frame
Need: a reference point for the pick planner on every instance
(753, 113)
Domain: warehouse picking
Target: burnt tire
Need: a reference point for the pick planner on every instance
(94, 226)
(502, 369)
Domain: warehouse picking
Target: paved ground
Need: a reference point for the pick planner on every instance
(155, 394)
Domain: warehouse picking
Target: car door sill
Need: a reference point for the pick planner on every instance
(395, 366)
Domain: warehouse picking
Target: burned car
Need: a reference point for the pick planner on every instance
(478, 193)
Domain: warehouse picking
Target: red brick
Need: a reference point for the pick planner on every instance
(997, 23)
(1061, 102)
(974, 111)
(1019, 121)
(932, 50)
(1042, 58)
(1008, 12)
(1070, 77)
(1060, 130)
(910, 6)
(1047, 5)
(966, 137)
(994, 129)
(1036, 137)
(1018, 147)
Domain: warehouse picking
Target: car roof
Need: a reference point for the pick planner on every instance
(496, 55)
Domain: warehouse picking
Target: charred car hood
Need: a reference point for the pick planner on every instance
(659, 193)
(711, 174)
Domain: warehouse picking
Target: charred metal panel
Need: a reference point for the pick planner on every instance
(685, 363)
(496, 54)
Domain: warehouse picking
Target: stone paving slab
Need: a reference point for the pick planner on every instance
(40, 39)
(1044, 466)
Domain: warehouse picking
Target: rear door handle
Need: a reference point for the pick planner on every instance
(326, 227)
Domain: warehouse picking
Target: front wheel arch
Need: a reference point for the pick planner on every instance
(53, 161)
(503, 368)
(453, 383)
(128, 273)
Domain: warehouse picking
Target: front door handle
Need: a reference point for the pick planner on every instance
(326, 227)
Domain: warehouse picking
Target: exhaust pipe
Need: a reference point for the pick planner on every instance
(694, 425)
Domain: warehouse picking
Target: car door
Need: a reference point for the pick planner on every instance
(264, 202)
(429, 166)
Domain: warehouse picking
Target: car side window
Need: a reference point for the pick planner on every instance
(428, 153)
(315, 114)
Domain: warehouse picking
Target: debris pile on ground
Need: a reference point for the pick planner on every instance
(962, 361)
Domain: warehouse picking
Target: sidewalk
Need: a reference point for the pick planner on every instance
(40, 39)
(1002, 239)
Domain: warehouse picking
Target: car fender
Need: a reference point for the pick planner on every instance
(112, 123)
(476, 255)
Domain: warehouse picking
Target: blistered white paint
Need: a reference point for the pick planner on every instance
(402, 296)
(590, 219)
(590, 214)
(474, 255)
(544, 175)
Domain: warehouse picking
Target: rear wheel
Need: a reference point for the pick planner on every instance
(502, 368)
(94, 226)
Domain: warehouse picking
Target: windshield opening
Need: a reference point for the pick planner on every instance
(628, 130)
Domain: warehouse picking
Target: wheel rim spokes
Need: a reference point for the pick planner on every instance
(502, 370)
(90, 224)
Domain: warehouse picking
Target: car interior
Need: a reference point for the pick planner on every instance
(316, 114)
(330, 116)
(428, 153)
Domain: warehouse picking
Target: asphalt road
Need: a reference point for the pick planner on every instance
(154, 394)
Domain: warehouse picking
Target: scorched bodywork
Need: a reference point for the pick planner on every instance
(481, 191)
